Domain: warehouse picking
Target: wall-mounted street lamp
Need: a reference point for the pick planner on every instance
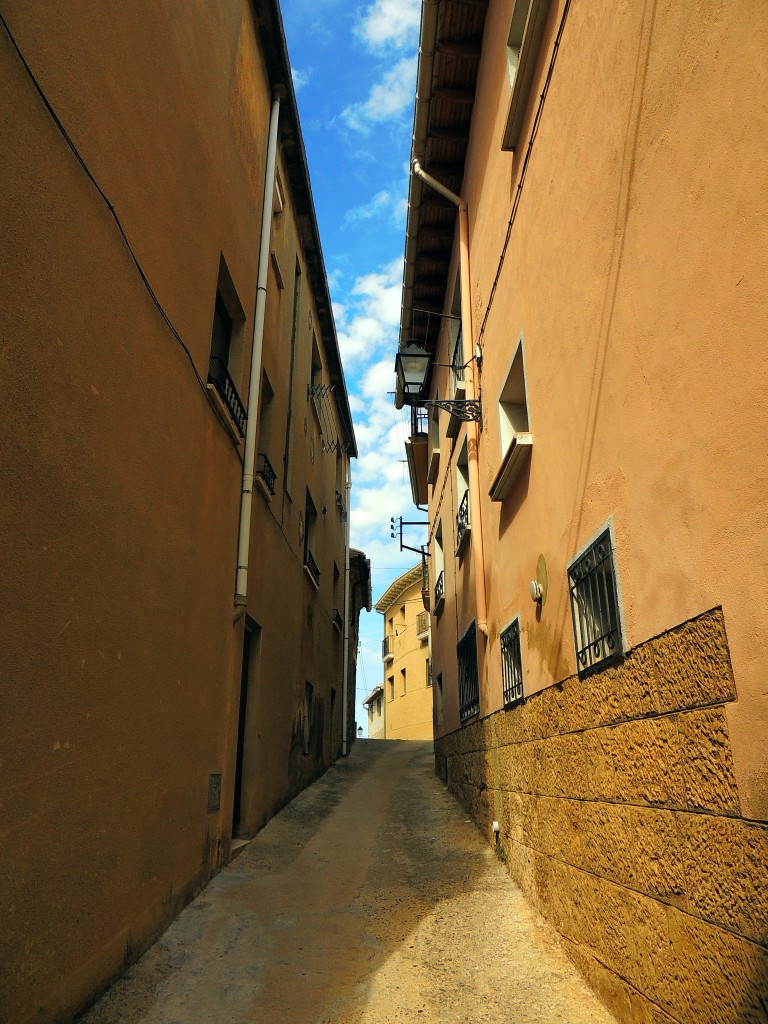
(411, 368)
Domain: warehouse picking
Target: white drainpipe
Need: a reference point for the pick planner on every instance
(254, 388)
(473, 433)
(345, 685)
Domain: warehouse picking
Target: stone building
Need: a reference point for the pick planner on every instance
(402, 706)
(175, 446)
(585, 258)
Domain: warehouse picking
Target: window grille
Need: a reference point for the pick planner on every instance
(595, 605)
(469, 683)
(511, 664)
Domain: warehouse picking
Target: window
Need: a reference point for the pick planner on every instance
(457, 357)
(310, 524)
(433, 465)
(265, 473)
(402, 682)
(316, 382)
(340, 484)
(439, 568)
(391, 682)
(469, 684)
(338, 618)
(462, 495)
(428, 667)
(523, 42)
(439, 698)
(227, 339)
(593, 586)
(515, 438)
(511, 664)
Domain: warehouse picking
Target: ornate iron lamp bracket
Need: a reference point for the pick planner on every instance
(466, 409)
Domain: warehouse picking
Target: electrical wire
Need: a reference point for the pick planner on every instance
(77, 155)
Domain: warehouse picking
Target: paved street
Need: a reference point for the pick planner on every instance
(370, 899)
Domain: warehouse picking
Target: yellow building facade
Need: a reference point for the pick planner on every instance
(405, 697)
(585, 260)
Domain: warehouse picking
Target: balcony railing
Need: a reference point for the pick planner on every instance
(311, 566)
(419, 421)
(338, 621)
(422, 625)
(457, 362)
(462, 522)
(388, 647)
(266, 472)
(439, 588)
(218, 375)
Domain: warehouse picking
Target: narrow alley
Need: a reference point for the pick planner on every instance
(369, 899)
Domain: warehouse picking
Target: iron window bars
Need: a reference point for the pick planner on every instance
(388, 646)
(469, 683)
(218, 375)
(266, 472)
(462, 521)
(511, 664)
(595, 605)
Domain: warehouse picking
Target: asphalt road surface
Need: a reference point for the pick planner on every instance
(370, 899)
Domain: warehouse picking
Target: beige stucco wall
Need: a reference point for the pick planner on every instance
(121, 659)
(376, 719)
(407, 695)
(634, 273)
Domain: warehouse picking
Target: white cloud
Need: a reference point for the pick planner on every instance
(368, 321)
(387, 100)
(300, 78)
(386, 205)
(390, 23)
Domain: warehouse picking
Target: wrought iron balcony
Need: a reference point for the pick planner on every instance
(218, 375)
(388, 647)
(422, 625)
(338, 621)
(266, 472)
(311, 566)
(457, 362)
(419, 421)
(462, 522)
(439, 588)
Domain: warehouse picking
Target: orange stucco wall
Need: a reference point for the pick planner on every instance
(121, 652)
(634, 273)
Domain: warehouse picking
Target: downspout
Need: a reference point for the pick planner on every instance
(254, 388)
(473, 433)
(345, 684)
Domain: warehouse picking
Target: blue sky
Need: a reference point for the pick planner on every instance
(354, 71)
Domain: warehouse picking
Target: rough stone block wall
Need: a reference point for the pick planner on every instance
(620, 820)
